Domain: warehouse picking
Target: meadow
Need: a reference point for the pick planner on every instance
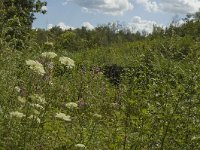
(55, 92)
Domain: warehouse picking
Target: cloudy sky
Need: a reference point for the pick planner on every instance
(136, 14)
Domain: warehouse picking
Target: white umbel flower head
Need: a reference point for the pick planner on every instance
(49, 55)
(17, 88)
(67, 61)
(63, 116)
(17, 114)
(71, 105)
(80, 145)
(97, 116)
(37, 106)
(36, 66)
(34, 118)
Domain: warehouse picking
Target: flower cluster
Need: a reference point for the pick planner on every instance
(67, 61)
(37, 106)
(63, 116)
(49, 55)
(36, 66)
(97, 116)
(17, 114)
(80, 145)
(17, 88)
(71, 105)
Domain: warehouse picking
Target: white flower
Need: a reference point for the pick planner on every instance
(37, 106)
(63, 116)
(97, 116)
(71, 105)
(21, 99)
(17, 88)
(38, 98)
(80, 145)
(34, 118)
(49, 55)
(67, 61)
(36, 66)
(17, 114)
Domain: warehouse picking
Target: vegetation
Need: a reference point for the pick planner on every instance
(98, 89)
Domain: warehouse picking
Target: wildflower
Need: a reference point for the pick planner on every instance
(37, 106)
(38, 98)
(34, 118)
(49, 55)
(71, 105)
(21, 99)
(17, 114)
(67, 61)
(80, 145)
(97, 116)
(63, 116)
(17, 88)
(36, 66)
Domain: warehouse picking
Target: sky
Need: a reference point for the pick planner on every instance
(137, 15)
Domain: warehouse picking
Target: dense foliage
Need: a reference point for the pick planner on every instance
(101, 89)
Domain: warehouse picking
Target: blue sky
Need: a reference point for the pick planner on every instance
(135, 14)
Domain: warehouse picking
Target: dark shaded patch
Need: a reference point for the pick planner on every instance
(113, 73)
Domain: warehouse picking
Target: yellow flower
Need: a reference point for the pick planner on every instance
(36, 66)
(67, 61)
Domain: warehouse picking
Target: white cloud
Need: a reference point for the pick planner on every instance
(149, 5)
(50, 26)
(88, 25)
(180, 6)
(111, 7)
(138, 24)
(61, 25)
(64, 27)
(44, 8)
(171, 6)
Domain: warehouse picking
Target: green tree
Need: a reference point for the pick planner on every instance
(24, 10)
(16, 18)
